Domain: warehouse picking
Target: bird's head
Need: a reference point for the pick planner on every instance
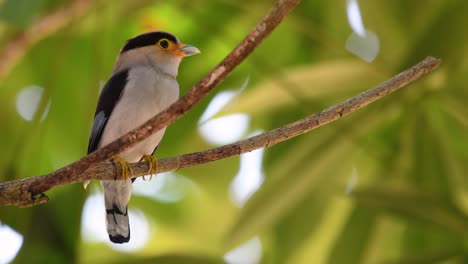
(159, 48)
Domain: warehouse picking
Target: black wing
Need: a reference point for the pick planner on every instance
(107, 100)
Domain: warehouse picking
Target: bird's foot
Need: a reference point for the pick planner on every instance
(125, 167)
(153, 165)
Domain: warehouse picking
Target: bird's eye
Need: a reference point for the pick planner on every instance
(164, 43)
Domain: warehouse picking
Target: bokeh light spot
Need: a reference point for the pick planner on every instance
(352, 181)
(27, 102)
(249, 178)
(10, 243)
(165, 187)
(366, 47)
(226, 129)
(248, 253)
(355, 18)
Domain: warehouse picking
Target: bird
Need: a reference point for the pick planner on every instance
(142, 84)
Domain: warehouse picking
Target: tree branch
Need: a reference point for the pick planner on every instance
(32, 194)
(18, 192)
(47, 25)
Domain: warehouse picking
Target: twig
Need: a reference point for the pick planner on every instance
(13, 193)
(47, 25)
(27, 195)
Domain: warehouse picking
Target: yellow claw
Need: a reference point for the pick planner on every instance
(124, 166)
(85, 183)
(153, 165)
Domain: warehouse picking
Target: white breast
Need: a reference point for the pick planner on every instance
(146, 93)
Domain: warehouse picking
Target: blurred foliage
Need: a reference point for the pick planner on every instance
(409, 151)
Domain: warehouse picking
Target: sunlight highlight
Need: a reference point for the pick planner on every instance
(249, 178)
(355, 18)
(361, 42)
(225, 129)
(93, 226)
(248, 253)
(27, 102)
(352, 181)
(220, 100)
(366, 48)
(10, 243)
(165, 187)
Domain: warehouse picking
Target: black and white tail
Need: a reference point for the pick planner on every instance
(116, 197)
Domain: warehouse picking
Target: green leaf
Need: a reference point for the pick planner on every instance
(416, 204)
(303, 84)
(20, 13)
(302, 222)
(277, 197)
(447, 256)
(350, 246)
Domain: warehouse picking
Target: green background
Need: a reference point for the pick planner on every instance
(408, 151)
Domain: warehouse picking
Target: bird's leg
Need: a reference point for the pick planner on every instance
(153, 165)
(124, 166)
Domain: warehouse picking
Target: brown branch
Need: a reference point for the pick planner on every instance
(11, 192)
(31, 194)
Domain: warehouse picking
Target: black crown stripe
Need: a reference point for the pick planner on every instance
(147, 39)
